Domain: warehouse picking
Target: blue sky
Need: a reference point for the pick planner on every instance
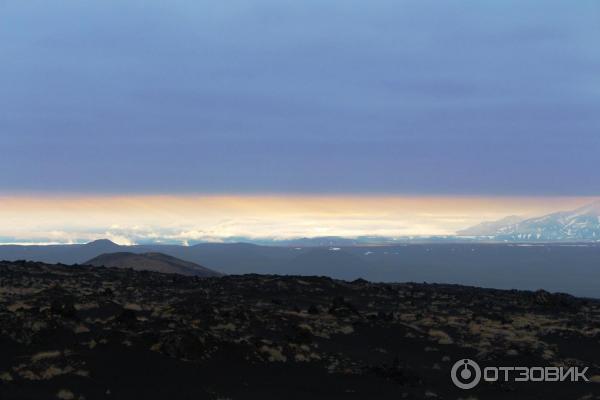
(402, 97)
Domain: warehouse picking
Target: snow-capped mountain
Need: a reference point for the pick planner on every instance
(490, 227)
(580, 224)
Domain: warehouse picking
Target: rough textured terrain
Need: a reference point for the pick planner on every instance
(105, 333)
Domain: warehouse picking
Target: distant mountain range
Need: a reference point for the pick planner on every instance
(156, 262)
(477, 261)
(228, 258)
(581, 224)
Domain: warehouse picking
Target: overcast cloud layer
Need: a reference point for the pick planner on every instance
(425, 97)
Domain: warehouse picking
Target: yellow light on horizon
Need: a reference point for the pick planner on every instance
(130, 218)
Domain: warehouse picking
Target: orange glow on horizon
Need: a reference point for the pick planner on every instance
(182, 218)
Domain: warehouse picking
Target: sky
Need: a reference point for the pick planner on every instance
(418, 98)
(190, 219)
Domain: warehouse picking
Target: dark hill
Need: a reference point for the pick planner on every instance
(156, 262)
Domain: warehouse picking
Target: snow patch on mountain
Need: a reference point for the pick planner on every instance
(580, 224)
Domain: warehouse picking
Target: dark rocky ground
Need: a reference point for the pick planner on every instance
(103, 333)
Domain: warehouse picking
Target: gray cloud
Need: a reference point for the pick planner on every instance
(312, 96)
